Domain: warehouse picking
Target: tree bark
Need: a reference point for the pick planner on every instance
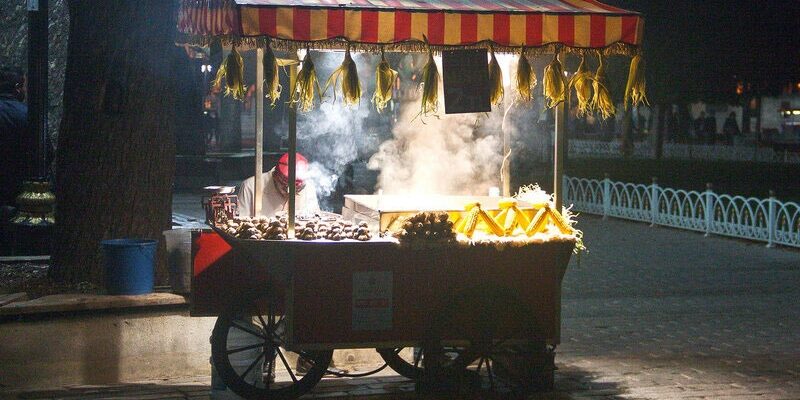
(116, 160)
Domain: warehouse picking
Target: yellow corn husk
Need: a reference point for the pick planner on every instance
(526, 78)
(460, 222)
(272, 85)
(582, 83)
(351, 86)
(521, 217)
(601, 101)
(385, 78)
(555, 87)
(430, 87)
(560, 222)
(232, 71)
(471, 221)
(493, 226)
(305, 85)
(538, 222)
(496, 91)
(636, 88)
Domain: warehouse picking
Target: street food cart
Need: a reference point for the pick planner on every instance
(477, 312)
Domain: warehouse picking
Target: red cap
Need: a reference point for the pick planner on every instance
(301, 163)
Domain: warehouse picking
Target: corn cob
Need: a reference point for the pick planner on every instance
(635, 90)
(582, 82)
(560, 222)
(554, 83)
(472, 221)
(232, 71)
(511, 221)
(526, 78)
(538, 223)
(601, 101)
(494, 227)
(305, 84)
(385, 78)
(521, 218)
(430, 86)
(496, 91)
(351, 86)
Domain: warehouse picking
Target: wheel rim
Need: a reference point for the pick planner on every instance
(410, 362)
(249, 346)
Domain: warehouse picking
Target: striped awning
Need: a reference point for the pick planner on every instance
(407, 24)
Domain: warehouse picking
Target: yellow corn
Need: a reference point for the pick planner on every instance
(521, 217)
(510, 222)
(526, 78)
(538, 223)
(496, 91)
(601, 100)
(560, 222)
(494, 227)
(430, 87)
(385, 78)
(582, 82)
(555, 86)
(351, 86)
(471, 221)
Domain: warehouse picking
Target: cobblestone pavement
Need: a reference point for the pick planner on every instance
(648, 313)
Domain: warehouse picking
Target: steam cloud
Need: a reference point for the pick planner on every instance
(452, 154)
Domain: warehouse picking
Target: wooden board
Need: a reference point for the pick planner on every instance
(82, 302)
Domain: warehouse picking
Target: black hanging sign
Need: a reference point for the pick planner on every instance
(465, 74)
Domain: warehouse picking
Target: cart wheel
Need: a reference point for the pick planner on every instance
(410, 362)
(495, 359)
(249, 353)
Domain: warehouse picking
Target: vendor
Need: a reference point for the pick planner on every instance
(275, 187)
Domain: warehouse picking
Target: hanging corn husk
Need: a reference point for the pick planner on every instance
(272, 85)
(582, 83)
(430, 86)
(555, 86)
(635, 90)
(385, 78)
(351, 87)
(526, 78)
(305, 84)
(232, 70)
(601, 101)
(496, 91)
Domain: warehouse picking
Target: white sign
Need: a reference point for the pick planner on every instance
(33, 5)
(372, 301)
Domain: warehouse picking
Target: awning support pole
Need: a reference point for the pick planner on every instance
(559, 150)
(292, 152)
(259, 150)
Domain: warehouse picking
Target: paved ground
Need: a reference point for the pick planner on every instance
(648, 313)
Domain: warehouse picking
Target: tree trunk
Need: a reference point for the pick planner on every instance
(116, 161)
(627, 133)
(661, 109)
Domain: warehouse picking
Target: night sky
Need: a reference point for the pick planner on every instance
(700, 48)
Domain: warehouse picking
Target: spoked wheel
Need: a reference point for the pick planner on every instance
(248, 348)
(502, 368)
(411, 362)
(504, 352)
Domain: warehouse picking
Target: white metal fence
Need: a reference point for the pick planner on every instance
(613, 149)
(768, 220)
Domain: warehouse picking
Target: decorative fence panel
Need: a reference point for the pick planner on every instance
(766, 220)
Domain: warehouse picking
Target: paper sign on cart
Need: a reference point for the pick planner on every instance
(372, 301)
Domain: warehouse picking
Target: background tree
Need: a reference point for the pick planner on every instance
(115, 162)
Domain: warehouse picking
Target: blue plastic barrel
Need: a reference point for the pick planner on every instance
(130, 265)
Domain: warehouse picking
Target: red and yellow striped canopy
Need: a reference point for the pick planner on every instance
(406, 24)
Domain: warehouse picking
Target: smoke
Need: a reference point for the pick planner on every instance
(333, 135)
(451, 154)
